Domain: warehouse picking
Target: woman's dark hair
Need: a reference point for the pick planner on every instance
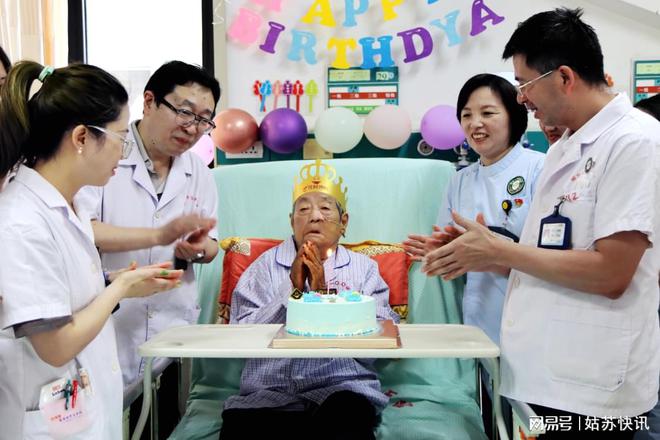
(650, 105)
(4, 59)
(33, 127)
(507, 94)
(551, 39)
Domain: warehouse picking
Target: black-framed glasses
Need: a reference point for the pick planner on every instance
(520, 88)
(185, 118)
(126, 143)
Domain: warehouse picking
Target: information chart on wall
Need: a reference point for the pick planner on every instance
(646, 79)
(362, 90)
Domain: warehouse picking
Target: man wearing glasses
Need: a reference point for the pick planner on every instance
(579, 337)
(160, 206)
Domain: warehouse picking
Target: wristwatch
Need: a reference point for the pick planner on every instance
(296, 293)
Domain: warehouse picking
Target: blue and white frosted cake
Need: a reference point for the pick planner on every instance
(346, 314)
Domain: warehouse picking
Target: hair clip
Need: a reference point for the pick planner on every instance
(47, 70)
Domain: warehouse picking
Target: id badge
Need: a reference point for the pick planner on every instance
(555, 231)
(63, 405)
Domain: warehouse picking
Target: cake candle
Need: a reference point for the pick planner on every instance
(327, 284)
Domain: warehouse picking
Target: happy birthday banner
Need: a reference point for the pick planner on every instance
(247, 26)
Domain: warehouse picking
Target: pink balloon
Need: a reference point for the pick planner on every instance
(388, 127)
(235, 131)
(204, 149)
(440, 128)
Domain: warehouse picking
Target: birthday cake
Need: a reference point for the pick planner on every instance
(348, 313)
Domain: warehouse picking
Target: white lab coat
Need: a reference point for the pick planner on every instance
(50, 268)
(129, 200)
(11, 401)
(11, 395)
(479, 188)
(580, 352)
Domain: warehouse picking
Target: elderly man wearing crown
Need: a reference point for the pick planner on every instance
(306, 398)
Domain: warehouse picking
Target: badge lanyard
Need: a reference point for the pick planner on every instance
(502, 231)
(555, 230)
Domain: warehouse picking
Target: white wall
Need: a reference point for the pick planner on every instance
(430, 81)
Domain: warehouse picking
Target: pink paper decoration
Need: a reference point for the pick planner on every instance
(273, 5)
(204, 149)
(245, 27)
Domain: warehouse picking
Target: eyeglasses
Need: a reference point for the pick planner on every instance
(126, 144)
(519, 88)
(185, 118)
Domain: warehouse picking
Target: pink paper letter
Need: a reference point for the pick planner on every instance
(245, 27)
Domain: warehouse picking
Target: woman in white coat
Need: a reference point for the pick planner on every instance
(70, 133)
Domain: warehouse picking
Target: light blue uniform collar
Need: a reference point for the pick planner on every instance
(502, 164)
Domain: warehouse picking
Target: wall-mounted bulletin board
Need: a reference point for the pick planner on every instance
(360, 54)
(423, 49)
(362, 90)
(646, 79)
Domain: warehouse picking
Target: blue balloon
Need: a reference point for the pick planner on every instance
(283, 130)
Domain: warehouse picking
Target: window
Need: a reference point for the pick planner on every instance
(131, 39)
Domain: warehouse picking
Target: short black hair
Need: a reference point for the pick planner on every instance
(4, 59)
(551, 39)
(651, 106)
(178, 73)
(507, 94)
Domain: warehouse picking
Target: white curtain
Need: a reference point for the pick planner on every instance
(34, 30)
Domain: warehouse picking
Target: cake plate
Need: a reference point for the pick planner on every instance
(386, 337)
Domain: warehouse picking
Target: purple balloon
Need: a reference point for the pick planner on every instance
(440, 128)
(283, 130)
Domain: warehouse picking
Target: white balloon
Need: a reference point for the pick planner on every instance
(338, 130)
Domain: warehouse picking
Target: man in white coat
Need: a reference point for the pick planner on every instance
(160, 205)
(579, 336)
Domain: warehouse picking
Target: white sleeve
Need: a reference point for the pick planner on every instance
(33, 283)
(90, 201)
(626, 194)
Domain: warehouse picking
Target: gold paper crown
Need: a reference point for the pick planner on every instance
(326, 182)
